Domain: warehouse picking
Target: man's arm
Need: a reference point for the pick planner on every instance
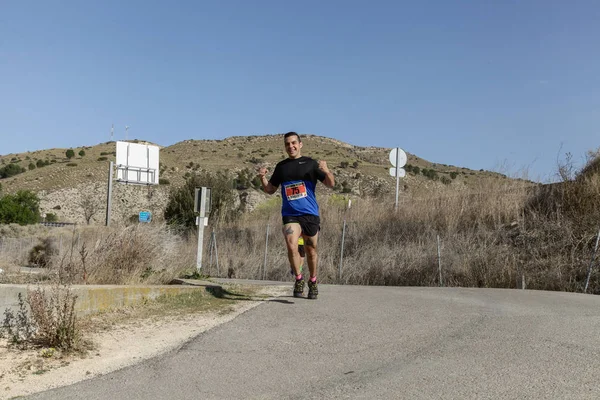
(329, 180)
(267, 187)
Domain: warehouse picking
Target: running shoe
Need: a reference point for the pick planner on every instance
(313, 291)
(299, 287)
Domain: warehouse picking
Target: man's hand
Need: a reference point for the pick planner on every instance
(323, 166)
(267, 187)
(262, 171)
(329, 179)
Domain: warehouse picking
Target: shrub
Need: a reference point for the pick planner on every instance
(54, 315)
(344, 164)
(81, 153)
(445, 180)
(10, 170)
(19, 329)
(39, 163)
(72, 164)
(21, 208)
(163, 181)
(453, 174)
(51, 217)
(180, 206)
(102, 158)
(31, 166)
(41, 255)
(70, 154)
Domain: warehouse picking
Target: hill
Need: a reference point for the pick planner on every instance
(66, 186)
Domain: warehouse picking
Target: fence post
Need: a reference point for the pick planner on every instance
(216, 252)
(439, 260)
(342, 249)
(266, 248)
(587, 281)
(211, 251)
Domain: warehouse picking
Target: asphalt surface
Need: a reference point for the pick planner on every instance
(380, 343)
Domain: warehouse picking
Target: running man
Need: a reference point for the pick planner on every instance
(298, 177)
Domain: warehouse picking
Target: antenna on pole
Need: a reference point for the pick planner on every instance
(112, 132)
(126, 129)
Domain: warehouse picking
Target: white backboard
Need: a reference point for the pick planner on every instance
(137, 163)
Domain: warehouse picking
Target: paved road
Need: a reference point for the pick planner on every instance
(380, 343)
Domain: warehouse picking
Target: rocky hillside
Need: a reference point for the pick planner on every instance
(69, 186)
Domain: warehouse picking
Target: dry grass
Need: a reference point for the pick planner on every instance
(492, 235)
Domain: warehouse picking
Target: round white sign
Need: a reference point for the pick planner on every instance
(401, 157)
(401, 172)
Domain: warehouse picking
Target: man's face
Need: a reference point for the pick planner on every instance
(293, 146)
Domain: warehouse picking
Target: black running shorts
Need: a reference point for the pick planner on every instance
(310, 224)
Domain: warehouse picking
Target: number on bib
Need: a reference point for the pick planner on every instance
(295, 191)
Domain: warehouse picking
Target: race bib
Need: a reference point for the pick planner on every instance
(295, 191)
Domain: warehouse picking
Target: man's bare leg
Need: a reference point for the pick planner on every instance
(291, 233)
(310, 247)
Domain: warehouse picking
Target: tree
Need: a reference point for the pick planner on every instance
(21, 208)
(70, 153)
(90, 206)
(180, 206)
(81, 153)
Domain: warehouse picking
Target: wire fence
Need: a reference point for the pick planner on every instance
(258, 251)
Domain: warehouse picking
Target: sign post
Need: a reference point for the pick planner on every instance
(398, 160)
(202, 203)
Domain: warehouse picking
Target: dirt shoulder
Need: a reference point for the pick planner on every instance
(120, 343)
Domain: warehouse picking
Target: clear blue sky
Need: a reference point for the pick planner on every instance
(480, 84)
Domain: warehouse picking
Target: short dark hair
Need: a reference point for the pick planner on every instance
(287, 135)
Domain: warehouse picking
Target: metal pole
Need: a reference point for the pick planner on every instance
(109, 193)
(587, 281)
(397, 177)
(439, 260)
(266, 248)
(211, 252)
(216, 252)
(342, 249)
(201, 228)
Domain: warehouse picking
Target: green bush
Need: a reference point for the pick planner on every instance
(180, 206)
(102, 158)
(31, 166)
(51, 217)
(71, 164)
(82, 153)
(10, 170)
(453, 175)
(163, 181)
(70, 153)
(21, 208)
